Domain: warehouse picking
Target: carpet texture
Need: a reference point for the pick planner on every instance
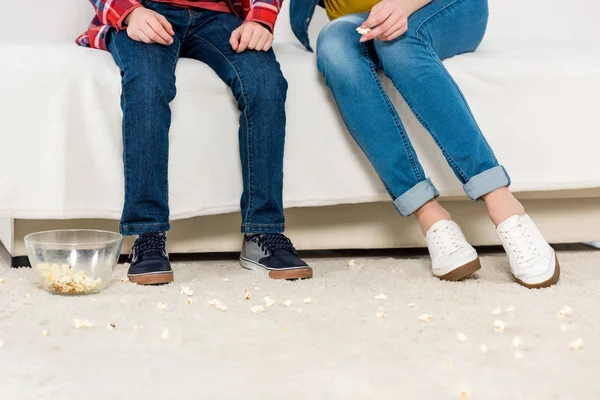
(334, 348)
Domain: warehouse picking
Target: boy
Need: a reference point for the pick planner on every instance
(234, 38)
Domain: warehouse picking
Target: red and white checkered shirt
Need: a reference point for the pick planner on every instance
(112, 13)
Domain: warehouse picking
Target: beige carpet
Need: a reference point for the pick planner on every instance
(334, 348)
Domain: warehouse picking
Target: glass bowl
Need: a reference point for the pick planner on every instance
(73, 261)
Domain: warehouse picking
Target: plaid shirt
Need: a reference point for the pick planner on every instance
(112, 13)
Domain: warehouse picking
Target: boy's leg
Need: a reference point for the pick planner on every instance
(148, 86)
(260, 89)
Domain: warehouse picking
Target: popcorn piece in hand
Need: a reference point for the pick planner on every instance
(576, 345)
(247, 295)
(287, 303)
(165, 334)
(351, 263)
(510, 308)
(380, 315)
(45, 333)
(111, 327)
(465, 394)
(517, 341)
(483, 348)
(308, 300)
(190, 301)
(497, 311)
(186, 290)
(269, 302)
(82, 324)
(363, 31)
(257, 309)
(499, 325)
(425, 318)
(162, 305)
(518, 355)
(461, 337)
(125, 279)
(566, 310)
(381, 296)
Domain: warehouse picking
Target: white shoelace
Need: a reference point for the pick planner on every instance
(447, 240)
(521, 244)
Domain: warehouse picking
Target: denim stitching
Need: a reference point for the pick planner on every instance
(436, 59)
(393, 112)
(176, 58)
(248, 123)
(433, 135)
(263, 224)
(142, 225)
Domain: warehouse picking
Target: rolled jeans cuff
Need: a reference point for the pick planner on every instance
(416, 197)
(486, 182)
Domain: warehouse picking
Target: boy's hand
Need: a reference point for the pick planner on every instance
(147, 26)
(251, 36)
(388, 19)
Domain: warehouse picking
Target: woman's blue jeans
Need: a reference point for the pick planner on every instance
(442, 29)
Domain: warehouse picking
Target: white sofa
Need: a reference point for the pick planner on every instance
(534, 86)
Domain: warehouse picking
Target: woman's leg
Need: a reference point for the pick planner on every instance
(350, 72)
(443, 29)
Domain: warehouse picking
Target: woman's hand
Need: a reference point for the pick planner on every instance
(144, 25)
(388, 20)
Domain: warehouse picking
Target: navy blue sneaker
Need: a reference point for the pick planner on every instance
(149, 261)
(275, 253)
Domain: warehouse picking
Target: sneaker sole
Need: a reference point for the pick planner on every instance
(289, 274)
(462, 272)
(152, 278)
(550, 282)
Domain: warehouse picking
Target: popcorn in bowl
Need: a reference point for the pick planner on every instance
(64, 279)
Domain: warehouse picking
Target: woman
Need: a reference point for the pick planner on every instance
(408, 40)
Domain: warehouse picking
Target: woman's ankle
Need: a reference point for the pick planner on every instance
(430, 213)
(501, 205)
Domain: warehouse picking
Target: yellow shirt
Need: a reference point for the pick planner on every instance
(338, 8)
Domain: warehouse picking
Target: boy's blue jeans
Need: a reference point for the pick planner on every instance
(148, 86)
(442, 29)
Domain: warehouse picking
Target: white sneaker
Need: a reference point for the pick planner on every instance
(532, 260)
(453, 258)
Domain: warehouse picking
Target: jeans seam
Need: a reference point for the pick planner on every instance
(142, 225)
(393, 112)
(280, 224)
(436, 13)
(436, 59)
(175, 59)
(433, 135)
(248, 123)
